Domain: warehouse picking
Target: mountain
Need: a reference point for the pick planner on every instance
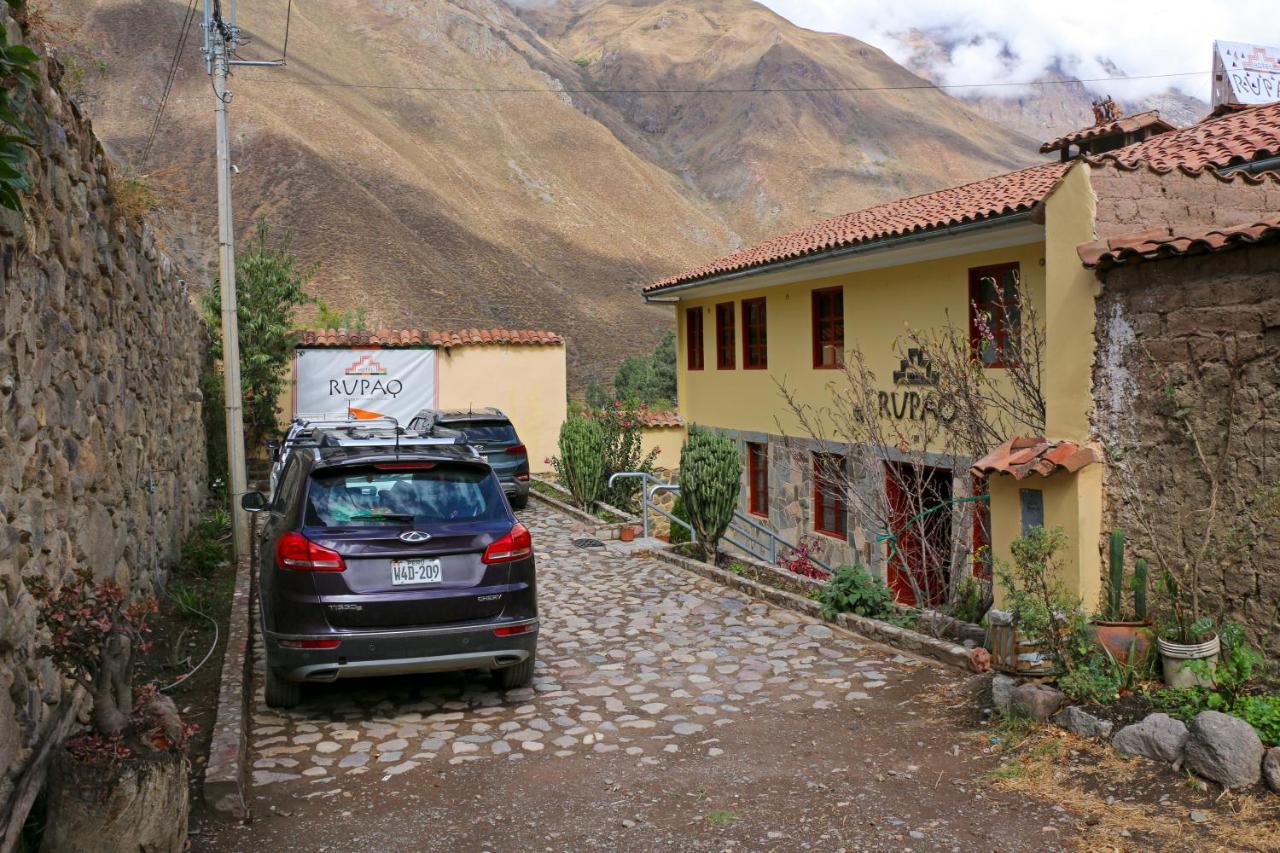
(1046, 111)
(454, 163)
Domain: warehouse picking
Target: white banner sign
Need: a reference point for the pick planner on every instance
(369, 383)
(1245, 73)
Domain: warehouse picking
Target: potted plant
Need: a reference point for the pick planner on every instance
(1186, 638)
(627, 533)
(1125, 633)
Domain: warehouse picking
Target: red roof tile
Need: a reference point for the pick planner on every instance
(671, 418)
(1023, 456)
(1125, 124)
(1167, 242)
(1235, 137)
(421, 337)
(1008, 193)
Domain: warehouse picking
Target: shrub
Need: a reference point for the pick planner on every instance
(580, 465)
(710, 473)
(1263, 713)
(206, 548)
(854, 590)
(678, 534)
(623, 434)
(799, 559)
(973, 599)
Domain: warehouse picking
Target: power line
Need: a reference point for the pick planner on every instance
(170, 77)
(520, 90)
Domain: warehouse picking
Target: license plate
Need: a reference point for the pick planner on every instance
(405, 572)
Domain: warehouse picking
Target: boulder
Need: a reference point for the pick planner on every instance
(1079, 721)
(1158, 737)
(1001, 687)
(1271, 769)
(1224, 749)
(1037, 701)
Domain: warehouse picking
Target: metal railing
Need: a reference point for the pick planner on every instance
(753, 537)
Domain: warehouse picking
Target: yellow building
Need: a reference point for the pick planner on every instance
(796, 316)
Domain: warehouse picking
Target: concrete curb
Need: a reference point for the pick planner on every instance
(883, 632)
(224, 777)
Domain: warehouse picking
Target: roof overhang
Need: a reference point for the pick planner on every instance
(999, 232)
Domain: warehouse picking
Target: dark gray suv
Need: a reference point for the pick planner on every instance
(388, 553)
(493, 435)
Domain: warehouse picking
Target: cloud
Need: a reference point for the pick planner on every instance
(1010, 41)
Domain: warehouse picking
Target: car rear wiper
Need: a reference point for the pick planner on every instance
(383, 516)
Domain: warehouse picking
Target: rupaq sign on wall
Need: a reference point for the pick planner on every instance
(369, 383)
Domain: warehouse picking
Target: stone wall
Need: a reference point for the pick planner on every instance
(1137, 199)
(1169, 333)
(102, 458)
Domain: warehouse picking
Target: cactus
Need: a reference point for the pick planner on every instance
(1115, 583)
(710, 473)
(1140, 575)
(582, 460)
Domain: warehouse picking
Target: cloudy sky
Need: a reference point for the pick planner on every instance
(1141, 36)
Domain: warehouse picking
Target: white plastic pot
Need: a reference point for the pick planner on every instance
(1176, 656)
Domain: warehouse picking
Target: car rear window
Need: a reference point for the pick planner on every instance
(487, 433)
(370, 496)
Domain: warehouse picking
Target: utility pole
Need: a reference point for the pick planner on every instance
(220, 39)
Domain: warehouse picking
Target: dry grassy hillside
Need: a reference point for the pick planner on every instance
(433, 204)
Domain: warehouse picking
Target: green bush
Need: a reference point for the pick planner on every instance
(710, 474)
(678, 534)
(1263, 713)
(854, 590)
(623, 435)
(580, 465)
(207, 547)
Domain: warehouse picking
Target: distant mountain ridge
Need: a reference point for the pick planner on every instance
(455, 163)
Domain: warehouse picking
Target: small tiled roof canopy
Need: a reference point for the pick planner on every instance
(1022, 456)
(1226, 140)
(1148, 121)
(421, 337)
(1155, 243)
(651, 418)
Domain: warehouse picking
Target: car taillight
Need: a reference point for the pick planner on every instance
(518, 449)
(299, 554)
(512, 630)
(522, 477)
(516, 545)
(309, 644)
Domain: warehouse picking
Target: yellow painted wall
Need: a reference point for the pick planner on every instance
(877, 306)
(529, 383)
(668, 440)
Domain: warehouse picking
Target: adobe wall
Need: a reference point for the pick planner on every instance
(102, 459)
(1169, 332)
(1138, 199)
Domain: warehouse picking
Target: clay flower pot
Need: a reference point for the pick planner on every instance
(627, 533)
(1123, 638)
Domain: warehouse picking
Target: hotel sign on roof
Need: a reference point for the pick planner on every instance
(1245, 73)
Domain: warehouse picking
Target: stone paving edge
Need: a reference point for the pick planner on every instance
(891, 635)
(603, 530)
(224, 777)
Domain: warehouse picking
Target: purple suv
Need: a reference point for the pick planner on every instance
(385, 554)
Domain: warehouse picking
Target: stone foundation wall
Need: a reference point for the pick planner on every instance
(1169, 333)
(102, 459)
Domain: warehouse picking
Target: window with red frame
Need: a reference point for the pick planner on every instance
(755, 348)
(828, 328)
(828, 496)
(981, 530)
(724, 336)
(758, 478)
(995, 314)
(693, 337)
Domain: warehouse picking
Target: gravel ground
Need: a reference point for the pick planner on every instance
(667, 712)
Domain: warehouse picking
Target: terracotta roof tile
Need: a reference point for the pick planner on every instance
(1009, 193)
(1226, 140)
(422, 337)
(1124, 124)
(1168, 242)
(671, 418)
(1023, 456)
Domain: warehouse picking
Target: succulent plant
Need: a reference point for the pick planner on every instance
(710, 472)
(1116, 585)
(582, 460)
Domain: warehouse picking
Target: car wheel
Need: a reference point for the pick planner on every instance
(281, 693)
(519, 501)
(520, 675)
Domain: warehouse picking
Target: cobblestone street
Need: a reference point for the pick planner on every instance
(645, 673)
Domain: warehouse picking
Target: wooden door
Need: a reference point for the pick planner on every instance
(920, 519)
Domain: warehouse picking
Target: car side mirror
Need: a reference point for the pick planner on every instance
(273, 447)
(253, 502)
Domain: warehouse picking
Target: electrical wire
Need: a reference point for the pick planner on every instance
(174, 65)
(217, 633)
(522, 90)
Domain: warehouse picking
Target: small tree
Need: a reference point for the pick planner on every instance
(710, 473)
(623, 432)
(269, 289)
(649, 379)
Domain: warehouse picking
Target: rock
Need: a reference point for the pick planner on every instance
(979, 660)
(1271, 769)
(1001, 687)
(1037, 701)
(1158, 737)
(1081, 722)
(1198, 816)
(1224, 749)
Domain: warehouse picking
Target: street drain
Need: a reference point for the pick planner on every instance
(588, 543)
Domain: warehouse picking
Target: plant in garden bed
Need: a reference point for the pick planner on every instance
(710, 471)
(852, 589)
(623, 431)
(580, 465)
(799, 559)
